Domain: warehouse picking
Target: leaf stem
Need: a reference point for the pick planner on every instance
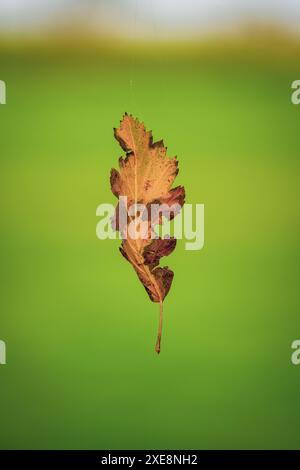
(159, 333)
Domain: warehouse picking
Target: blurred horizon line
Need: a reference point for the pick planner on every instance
(251, 36)
(144, 19)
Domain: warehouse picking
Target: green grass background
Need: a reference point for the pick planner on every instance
(80, 330)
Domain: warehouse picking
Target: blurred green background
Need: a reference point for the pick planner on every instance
(79, 328)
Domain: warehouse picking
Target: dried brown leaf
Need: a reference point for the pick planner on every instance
(145, 176)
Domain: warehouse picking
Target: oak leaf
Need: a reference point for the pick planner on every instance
(145, 178)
